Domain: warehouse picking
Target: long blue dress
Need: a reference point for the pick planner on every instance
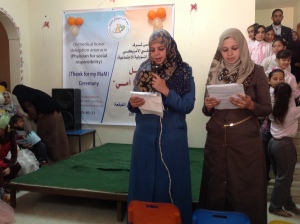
(149, 179)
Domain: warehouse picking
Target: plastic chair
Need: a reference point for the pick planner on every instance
(202, 216)
(140, 212)
(279, 222)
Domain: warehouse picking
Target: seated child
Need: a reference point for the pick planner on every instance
(25, 141)
(9, 168)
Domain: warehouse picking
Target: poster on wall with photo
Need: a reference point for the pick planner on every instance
(102, 51)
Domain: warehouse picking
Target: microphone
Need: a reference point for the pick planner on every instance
(157, 69)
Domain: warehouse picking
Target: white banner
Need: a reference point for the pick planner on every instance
(102, 56)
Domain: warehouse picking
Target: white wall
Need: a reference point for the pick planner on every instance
(196, 34)
(264, 17)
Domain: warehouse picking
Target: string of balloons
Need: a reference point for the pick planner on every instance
(75, 24)
(156, 17)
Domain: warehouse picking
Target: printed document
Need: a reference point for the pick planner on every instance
(223, 92)
(153, 102)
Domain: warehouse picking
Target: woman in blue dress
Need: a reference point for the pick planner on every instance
(160, 162)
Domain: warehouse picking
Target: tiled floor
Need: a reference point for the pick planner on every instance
(295, 219)
(35, 208)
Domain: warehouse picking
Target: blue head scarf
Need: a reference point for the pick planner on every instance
(173, 70)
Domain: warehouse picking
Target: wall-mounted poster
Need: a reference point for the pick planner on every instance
(102, 51)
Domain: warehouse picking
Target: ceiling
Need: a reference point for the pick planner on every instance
(272, 4)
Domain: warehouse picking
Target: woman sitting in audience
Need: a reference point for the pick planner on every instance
(8, 106)
(44, 111)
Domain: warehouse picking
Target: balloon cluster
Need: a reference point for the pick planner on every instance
(156, 18)
(75, 24)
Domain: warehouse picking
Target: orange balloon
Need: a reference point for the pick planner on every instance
(151, 14)
(78, 21)
(161, 12)
(71, 21)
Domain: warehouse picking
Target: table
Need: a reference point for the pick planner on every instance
(79, 133)
(92, 183)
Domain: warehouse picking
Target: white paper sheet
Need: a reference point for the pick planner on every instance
(153, 103)
(223, 92)
(32, 138)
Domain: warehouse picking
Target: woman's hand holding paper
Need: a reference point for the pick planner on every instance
(243, 102)
(136, 101)
(211, 102)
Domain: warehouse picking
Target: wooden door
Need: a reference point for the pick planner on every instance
(4, 57)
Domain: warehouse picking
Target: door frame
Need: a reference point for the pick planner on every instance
(15, 48)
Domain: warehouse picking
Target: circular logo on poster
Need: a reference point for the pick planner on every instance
(119, 28)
